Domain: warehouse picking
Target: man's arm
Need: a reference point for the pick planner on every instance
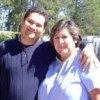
(90, 47)
(88, 54)
(95, 94)
(87, 48)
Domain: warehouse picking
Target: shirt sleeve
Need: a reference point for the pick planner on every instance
(92, 41)
(91, 76)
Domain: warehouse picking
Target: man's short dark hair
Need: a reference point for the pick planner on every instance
(39, 10)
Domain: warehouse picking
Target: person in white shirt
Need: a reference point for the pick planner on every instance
(65, 79)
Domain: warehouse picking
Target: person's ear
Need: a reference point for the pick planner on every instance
(21, 23)
(75, 40)
(44, 31)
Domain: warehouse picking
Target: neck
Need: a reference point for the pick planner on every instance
(28, 41)
(62, 59)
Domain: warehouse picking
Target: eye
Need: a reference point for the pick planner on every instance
(38, 25)
(56, 37)
(31, 22)
(64, 37)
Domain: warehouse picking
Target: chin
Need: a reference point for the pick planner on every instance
(64, 52)
(32, 36)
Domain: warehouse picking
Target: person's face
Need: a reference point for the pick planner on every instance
(64, 43)
(33, 26)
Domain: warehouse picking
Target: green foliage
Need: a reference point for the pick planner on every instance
(17, 9)
(90, 16)
(85, 13)
(6, 36)
(55, 8)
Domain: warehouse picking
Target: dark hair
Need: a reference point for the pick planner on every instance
(40, 11)
(71, 27)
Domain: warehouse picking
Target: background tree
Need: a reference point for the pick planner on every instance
(57, 9)
(18, 8)
(90, 14)
(85, 13)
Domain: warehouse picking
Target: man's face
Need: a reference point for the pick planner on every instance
(33, 26)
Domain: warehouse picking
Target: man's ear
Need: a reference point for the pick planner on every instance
(21, 23)
(44, 31)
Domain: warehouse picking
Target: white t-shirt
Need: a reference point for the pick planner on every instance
(67, 81)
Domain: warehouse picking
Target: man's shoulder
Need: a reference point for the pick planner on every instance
(7, 44)
(10, 41)
(47, 45)
(45, 48)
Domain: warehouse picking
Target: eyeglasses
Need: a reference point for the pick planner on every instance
(24, 58)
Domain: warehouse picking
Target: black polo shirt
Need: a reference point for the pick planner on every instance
(22, 68)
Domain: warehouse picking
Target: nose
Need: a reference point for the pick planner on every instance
(33, 26)
(61, 40)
